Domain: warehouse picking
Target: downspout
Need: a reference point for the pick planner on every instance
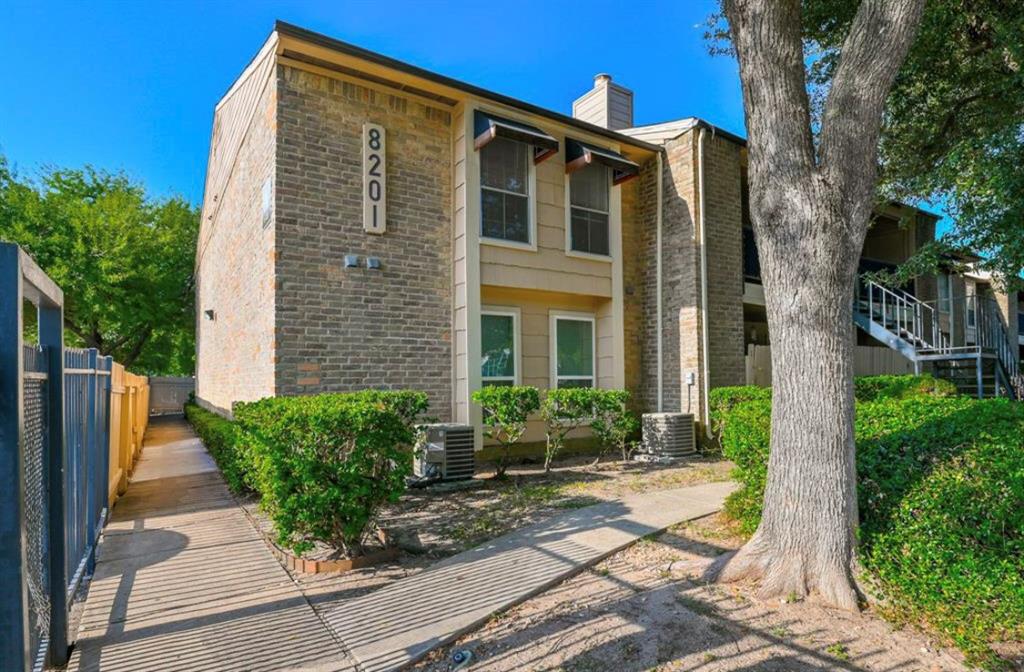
(705, 382)
(661, 376)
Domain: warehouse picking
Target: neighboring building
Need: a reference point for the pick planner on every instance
(368, 223)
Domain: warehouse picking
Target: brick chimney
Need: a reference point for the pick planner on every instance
(607, 104)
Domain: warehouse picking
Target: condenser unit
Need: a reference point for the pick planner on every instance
(668, 435)
(446, 453)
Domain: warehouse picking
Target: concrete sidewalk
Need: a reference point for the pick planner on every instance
(184, 582)
(400, 623)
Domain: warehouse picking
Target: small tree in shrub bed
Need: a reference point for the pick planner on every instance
(941, 500)
(324, 465)
(563, 411)
(613, 423)
(506, 411)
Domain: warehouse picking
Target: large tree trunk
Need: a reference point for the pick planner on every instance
(810, 208)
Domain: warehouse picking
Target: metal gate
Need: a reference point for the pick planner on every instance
(54, 451)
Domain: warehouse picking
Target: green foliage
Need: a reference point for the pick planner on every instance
(563, 411)
(941, 499)
(123, 260)
(220, 437)
(324, 465)
(506, 411)
(872, 388)
(614, 425)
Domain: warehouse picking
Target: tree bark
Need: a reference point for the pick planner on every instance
(810, 212)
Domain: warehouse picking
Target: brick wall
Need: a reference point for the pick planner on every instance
(724, 217)
(347, 329)
(235, 264)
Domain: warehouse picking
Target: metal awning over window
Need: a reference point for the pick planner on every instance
(487, 127)
(581, 154)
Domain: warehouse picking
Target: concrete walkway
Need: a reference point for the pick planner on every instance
(400, 623)
(184, 582)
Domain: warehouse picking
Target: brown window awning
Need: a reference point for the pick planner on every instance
(581, 154)
(487, 127)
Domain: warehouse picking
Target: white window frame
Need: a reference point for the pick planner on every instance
(531, 206)
(612, 221)
(553, 318)
(517, 353)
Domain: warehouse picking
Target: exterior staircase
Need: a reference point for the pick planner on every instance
(986, 366)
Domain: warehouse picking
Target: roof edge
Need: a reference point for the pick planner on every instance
(349, 49)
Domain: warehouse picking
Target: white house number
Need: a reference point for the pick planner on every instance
(374, 179)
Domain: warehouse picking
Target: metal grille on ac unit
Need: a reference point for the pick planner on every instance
(446, 453)
(668, 435)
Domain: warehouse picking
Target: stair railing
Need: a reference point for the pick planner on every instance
(901, 313)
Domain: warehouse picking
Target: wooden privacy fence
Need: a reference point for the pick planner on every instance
(867, 361)
(69, 419)
(129, 416)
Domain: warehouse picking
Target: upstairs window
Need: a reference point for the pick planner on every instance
(505, 190)
(588, 218)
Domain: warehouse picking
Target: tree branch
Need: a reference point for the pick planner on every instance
(870, 58)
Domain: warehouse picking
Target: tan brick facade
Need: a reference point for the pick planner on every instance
(343, 329)
(235, 265)
(291, 318)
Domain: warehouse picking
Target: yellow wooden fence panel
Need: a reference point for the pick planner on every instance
(129, 416)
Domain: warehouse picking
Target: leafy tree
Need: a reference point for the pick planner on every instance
(506, 411)
(813, 184)
(613, 424)
(953, 127)
(123, 260)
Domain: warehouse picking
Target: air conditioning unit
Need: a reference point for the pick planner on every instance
(446, 453)
(668, 436)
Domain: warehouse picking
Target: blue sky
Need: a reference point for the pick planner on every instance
(131, 85)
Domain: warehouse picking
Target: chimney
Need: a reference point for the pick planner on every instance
(607, 104)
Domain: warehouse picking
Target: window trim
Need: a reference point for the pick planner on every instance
(945, 305)
(531, 207)
(517, 354)
(553, 317)
(612, 221)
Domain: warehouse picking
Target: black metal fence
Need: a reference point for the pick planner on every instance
(54, 447)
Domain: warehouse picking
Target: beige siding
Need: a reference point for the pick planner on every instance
(547, 268)
(535, 310)
(461, 273)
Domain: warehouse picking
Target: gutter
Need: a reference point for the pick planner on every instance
(661, 375)
(705, 338)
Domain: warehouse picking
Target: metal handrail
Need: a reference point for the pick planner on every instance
(914, 320)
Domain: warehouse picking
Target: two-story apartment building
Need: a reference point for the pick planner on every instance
(368, 223)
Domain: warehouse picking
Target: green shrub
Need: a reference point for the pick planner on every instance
(563, 411)
(219, 435)
(506, 410)
(614, 425)
(324, 465)
(941, 499)
(872, 388)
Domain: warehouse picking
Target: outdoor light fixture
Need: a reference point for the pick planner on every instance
(351, 261)
(210, 315)
(373, 263)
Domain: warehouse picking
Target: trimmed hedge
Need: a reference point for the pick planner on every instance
(220, 437)
(322, 465)
(941, 499)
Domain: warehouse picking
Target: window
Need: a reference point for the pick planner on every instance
(945, 292)
(588, 201)
(499, 338)
(971, 310)
(505, 190)
(572, 351)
